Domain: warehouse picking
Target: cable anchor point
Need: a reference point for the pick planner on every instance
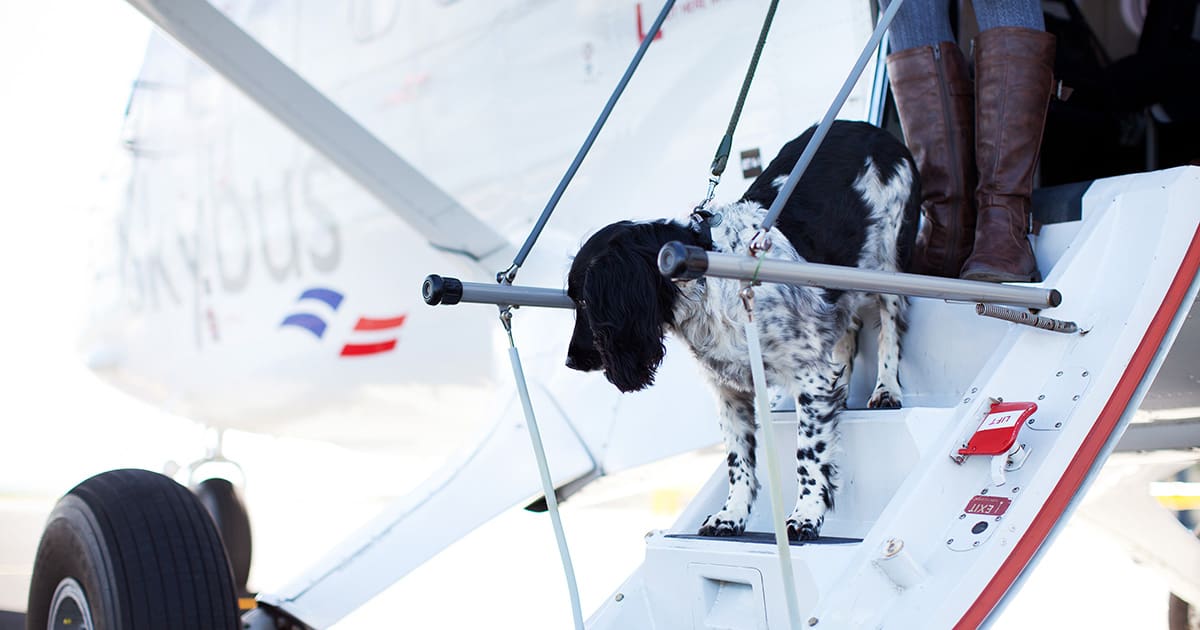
(747, 295)
(760, 244)
(508, 275)
(712, 192)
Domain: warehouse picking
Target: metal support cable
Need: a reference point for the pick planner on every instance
(539, 453)
(823, 128)
(510, 274)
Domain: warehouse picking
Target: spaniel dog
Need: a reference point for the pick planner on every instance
(857, 205)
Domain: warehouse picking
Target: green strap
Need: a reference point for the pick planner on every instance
(722, 157)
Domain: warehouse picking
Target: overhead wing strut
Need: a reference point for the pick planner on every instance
(237, 56)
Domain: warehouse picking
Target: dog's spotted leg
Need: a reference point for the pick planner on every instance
(737, 429)
(891, 326)
(816, 412)
(845, 349)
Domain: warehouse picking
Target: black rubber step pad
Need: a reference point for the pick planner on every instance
(768, 538)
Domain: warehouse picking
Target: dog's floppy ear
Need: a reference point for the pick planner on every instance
(629, 306)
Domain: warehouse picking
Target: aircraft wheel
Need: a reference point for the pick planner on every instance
(130, 549)
(220, 498)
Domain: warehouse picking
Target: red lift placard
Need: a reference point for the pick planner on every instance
(998, 431)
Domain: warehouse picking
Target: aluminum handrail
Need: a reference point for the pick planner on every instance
(685, 262)
(444, 290)
(676, 260)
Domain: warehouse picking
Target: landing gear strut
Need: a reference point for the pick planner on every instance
(220, 498)
(209, 480)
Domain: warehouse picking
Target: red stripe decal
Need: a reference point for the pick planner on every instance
(359, 349)
(367, 323)
(1078, 469)
(641, 29)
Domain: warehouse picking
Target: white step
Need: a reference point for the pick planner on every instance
(722, 578)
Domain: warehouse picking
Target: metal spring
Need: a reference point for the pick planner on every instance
(1026, 318)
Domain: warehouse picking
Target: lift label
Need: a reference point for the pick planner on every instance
(998, 430)
(1001, 420)
(988, 506)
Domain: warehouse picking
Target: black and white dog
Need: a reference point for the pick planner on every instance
(857, 205)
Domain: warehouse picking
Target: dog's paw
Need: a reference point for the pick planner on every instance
(722, 524)
(803, 528)
(884, 398)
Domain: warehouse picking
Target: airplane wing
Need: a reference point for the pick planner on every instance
(318, 121)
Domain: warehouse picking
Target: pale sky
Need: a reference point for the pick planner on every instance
(66, 69)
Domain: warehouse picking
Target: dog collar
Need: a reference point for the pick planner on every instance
(702, 224)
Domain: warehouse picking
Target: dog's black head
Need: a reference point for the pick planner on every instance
(622, 304)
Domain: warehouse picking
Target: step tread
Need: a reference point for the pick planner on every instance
(767, 538)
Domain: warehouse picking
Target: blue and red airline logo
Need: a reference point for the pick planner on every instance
(369, 336)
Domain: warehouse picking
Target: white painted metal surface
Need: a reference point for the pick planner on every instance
(490, 477)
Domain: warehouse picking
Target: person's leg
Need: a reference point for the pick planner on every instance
(919, 23)
(934, 98)
(996, 13)
(1014, 67)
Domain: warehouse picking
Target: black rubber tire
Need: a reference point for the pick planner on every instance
(220, 497)
(144, 551)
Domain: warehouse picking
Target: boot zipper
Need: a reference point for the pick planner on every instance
(953, 219)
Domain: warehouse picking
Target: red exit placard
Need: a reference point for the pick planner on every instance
(987, 506)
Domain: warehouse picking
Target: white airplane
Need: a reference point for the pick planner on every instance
(297, 173)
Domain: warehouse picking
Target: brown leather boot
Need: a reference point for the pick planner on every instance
(934, 98)
(1014, 70)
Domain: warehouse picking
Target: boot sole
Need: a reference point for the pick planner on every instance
(1000, 276)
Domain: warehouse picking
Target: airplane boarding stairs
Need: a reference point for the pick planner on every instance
(934, 542)
(726, 582)
(917, 539)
